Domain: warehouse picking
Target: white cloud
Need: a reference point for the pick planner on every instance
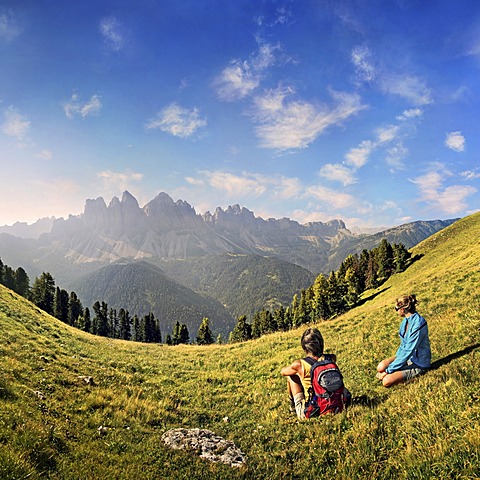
(85, 109)
(178, 121)
(240, 78)
(249, 184)
(236, 81)
(284, 124)
(357, 157)
(111, 29)
(450, 200)
(411, 113)
(45, 155)
(119, 181)
(386, 134)
(455, 141)
(339, 173)
(395, 156)
(9, 28)
(331, 197)
(470, 175)
(15, 125)
(364, 70)
(409, 87)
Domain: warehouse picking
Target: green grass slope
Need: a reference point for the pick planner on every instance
(429, 428)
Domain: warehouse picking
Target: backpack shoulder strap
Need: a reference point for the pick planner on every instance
(311, 361)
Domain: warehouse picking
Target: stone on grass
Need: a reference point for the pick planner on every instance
(206, 445)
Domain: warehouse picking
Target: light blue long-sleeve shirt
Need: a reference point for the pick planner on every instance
(414, 345)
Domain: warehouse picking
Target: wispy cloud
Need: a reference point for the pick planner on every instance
(178, 121)
(470, 174)
(331, 197)
(455, 141)
(249, 184)
(396, 155)
(284, 123)
(241, 77)
(45, 155)
(76, 107)
(15, 124)
(411, 113)
(408, 87)
(364, 69)
(449, 200)
(112, 32)
(119, 181)
(357, 157)
(9, 27)
(339, 173)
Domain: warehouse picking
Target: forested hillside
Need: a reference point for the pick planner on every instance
(243, 283)
(141, 287)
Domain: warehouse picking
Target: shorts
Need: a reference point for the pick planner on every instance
(411, 370)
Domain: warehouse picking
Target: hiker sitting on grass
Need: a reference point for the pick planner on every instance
(413, 355)
(299, 383)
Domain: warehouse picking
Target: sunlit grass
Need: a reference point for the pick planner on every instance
(55, 425)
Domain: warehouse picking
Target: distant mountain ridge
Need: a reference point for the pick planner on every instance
(172, 231)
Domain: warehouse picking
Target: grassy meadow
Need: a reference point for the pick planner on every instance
(429, 428)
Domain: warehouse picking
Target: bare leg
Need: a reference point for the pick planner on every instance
(297, 395)
(388, 379)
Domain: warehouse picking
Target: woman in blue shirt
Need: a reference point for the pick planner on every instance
(413, 355)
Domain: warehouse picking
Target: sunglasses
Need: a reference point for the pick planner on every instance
(398, 308)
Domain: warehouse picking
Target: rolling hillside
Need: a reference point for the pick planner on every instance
(141, 287)
(245, 284)
(55, 425)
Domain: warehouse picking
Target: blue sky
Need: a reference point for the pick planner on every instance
(362, 110)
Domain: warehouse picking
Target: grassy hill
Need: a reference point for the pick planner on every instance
(429, 428)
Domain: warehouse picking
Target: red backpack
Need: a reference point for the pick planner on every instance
(327, 393)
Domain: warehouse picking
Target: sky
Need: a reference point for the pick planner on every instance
(362, 110)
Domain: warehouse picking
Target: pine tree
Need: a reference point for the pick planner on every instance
(184, 335)
(43, 292)
(320, 305)
(9, 277)
(384, 253)
(87, 322)
(176, 333)
(168, 339)
(125, 324)
(60, 305)
(400, 257)
(257, 326)
(22, 283)
(100, 320)
(1, 272)
(75, 309)
(242, 331)
(204, 335)
(137, 334)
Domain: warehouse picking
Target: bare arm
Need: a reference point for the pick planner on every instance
(294, 369)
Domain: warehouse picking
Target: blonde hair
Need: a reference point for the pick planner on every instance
(408, 302)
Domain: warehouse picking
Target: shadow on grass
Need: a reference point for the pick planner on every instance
(371, 297)
(365, 401)
(453, 356)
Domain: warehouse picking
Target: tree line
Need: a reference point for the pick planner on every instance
(328, 296)
(106, 322)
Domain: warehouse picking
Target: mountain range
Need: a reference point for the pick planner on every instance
(208, 253)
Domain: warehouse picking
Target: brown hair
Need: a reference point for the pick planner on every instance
(312, 342)
(408, 302)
